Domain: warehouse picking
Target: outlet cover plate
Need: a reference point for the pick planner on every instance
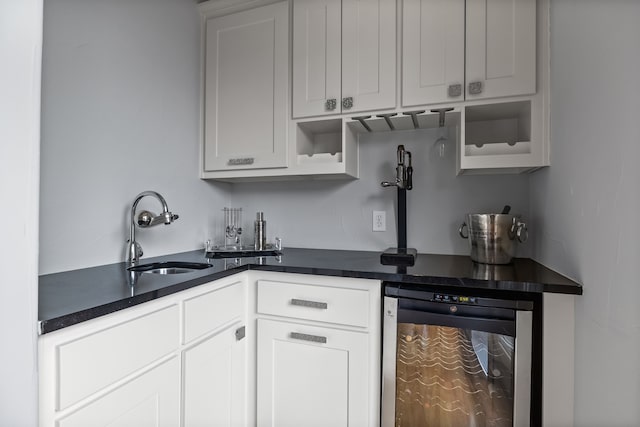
(379, 221)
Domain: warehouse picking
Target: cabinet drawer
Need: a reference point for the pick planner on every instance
(90, 363)
(313, 302)
(207, 312)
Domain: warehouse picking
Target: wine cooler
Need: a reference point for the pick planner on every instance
(455, 360)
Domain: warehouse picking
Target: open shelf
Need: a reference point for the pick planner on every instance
(319, 141)
(499, 138)
(497, 129)
(324, 148)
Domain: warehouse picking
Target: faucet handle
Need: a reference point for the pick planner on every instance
(169, 217)
(409, 184)
(145, 218)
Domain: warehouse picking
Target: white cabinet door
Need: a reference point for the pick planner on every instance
(316, 57)
(432, 51)
(344, 56)
(368, 54)
(214, 381)
(501, 48)
(150, 400)
(246, 96)
(312, 376)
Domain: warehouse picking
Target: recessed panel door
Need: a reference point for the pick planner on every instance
(432, 51)
(317, 48)
(501, 48)
(368, 55)
(311, 376)
(246, 94)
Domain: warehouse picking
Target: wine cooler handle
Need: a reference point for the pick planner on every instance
(522, 368)
(389, 346)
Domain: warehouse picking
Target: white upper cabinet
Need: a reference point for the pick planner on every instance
(432, 52)
(344, 56)
(368, 54)
(501, 48)
(317, 51)
(246, 95)
(499, 59)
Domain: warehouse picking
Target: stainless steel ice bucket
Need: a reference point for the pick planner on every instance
(493, 238)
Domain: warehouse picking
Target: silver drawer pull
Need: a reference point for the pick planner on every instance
(307, 337)
(313, 304)
(240, 161)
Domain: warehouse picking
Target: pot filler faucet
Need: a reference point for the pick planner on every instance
(145, 219)
(404, 181)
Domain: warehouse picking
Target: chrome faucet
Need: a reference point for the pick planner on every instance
(145, 219)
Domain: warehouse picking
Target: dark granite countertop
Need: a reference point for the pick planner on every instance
(72, 297)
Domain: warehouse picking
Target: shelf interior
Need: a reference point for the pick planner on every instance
(319, 140)
(495, 129)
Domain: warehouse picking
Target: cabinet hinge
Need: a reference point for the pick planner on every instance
(240, 333)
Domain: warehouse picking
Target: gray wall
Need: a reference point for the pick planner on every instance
(585, 205)
(338, 214)
(20, 49)
(120, 115)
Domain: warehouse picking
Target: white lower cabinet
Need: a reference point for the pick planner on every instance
(317, 351)
(311, 376)
(307, 353)
(214, 381)
(214, 358)
(150, 400)
(174, 361)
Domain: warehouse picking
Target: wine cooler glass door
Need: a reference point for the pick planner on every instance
(455, 369)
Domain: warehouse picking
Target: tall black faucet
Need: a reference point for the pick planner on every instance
(404, 182)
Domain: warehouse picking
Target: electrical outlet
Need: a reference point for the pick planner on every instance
(379, 221)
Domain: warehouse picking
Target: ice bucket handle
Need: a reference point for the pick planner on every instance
(519, 229)
(461, 230)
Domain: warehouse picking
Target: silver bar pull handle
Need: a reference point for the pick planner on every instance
(522, 368)
(240, 161)
(307, 337)
(307, 303)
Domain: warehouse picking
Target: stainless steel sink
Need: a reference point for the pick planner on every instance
(169, 267)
